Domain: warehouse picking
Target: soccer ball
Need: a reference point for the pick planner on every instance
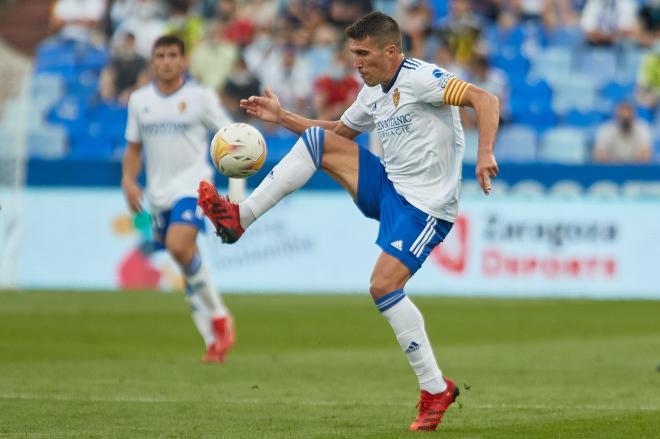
(238, 150)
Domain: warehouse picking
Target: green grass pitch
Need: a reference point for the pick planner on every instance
(108, 365)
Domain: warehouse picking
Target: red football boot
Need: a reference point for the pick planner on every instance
(433, 406)
(223, 327)
(223, 213)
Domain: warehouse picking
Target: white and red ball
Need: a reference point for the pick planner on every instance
(238, 150)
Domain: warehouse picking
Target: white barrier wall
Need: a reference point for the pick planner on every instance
(319, 242)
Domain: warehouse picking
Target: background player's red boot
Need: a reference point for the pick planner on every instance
(433, 406)
(223, 213)
(223, 327)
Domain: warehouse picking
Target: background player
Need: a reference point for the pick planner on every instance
(171, 117)
(414, 193)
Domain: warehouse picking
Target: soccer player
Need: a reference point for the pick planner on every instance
(413, 191)
(170, 118)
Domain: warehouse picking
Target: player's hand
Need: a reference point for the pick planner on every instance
(133, 193)
(486, 169)
(266, 107)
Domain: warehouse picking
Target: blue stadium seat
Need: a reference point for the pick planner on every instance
(516, 143)
(552, 65)
(471, 144)
(531, 105)
(70, 113)
(55, 57)
(599, 65)
(84, 85)
(630, 63)
(564, 145)
(47, 87)
(68, 58)
(615, 91)
(568, 37)
(107, 121)
(512, 62)
(583, 119)
(505, 44)
(91, 147)
(587, 121)
(48, 142)
(579, 92)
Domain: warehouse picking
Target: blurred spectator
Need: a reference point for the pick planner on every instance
(649, 23)
(414, 17)
(481, 74)
(146, 23)
(528, 9)
(325, 40)
(461, 30)
(184, 23)
(605, 22)
(305, 13)
(648, 79)
(120, 10)
(236, 29)
(125, 66)
(559, 25)
(260, 12)
(75, 20)
(626, 139)
(444, 58)
(241, 84)
(289, 76)
(344, 12)
(335, 91)
(212, 60)
(107, 87)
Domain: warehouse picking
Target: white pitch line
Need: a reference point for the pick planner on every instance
(159, 399)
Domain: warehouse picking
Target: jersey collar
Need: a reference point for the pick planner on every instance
(386, 88)
(165, 95)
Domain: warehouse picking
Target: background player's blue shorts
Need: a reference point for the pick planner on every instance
(405, 232)
(184, 211)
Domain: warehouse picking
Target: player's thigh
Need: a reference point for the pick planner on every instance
(340, 161)
(181, 242)
(389, 274)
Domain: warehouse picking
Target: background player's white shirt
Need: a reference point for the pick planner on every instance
(174, 132)
(422, 138)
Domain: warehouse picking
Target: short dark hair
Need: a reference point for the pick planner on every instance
(378, 26)
(170, 40)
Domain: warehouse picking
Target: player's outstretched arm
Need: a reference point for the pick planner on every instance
(131, 165)
(487, 109)
(268, 109)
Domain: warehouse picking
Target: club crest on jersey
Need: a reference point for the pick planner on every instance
(182, 106)
(395, 97)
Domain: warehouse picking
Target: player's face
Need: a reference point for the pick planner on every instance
(168, 63)
(374, 63)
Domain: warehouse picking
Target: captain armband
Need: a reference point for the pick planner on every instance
(454, 92)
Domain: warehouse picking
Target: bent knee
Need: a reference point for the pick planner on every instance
(380, 287)
(180, 251)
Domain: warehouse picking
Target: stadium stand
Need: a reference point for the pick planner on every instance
(561, 87)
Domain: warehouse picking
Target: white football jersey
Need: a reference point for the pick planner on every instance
(174, 132)
(422, 137)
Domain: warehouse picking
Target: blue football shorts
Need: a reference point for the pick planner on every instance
(184, 211)
(405, 232)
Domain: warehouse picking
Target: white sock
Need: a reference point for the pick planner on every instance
(290, 174)
(200, 316)
(408, 325)
(200, 282)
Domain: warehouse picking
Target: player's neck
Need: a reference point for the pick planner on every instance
(393, 71)
(169, 87)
